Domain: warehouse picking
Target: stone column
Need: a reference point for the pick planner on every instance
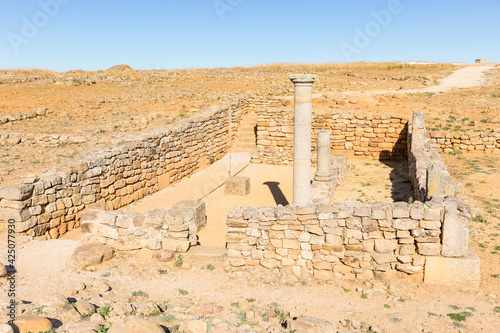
(302, 138)
(323, 173)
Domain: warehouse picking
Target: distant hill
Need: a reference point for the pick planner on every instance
(120, 68)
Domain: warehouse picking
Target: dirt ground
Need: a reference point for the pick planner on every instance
(101, 107)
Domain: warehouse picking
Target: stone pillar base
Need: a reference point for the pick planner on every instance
(458, 272)
(323, 179)
(237, 186)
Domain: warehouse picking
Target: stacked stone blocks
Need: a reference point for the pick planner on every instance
(161, 229)
(338, 240)
(378, 136)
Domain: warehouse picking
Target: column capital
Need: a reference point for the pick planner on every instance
(303, 78)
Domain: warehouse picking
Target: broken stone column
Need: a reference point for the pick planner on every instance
(323, 172)
(302, 138)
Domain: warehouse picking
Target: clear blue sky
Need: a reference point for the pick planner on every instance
(165, 34)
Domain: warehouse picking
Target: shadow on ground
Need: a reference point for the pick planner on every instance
(402, 189)
(278, 195)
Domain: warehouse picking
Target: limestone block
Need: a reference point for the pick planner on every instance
(407, 249)
(434, 178)
(429, 249)
(18, 215)
(458, 272)
(430, 224)
(16, 192)
(199, 209)
(401, 213)
(91, 254)
(237, 186)
(175, 245)
(385, 245)
(409, 269)
(384, 258)
(455, 232)
(405, 224)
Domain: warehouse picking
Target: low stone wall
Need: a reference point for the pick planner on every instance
(168, 229)
(466, 142)
(50, 204)
(25, 115)
(346, 240)
(428, 173)
(378, 136)
(15, 138)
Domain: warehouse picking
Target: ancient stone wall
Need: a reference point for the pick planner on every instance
(352, 239)
(379, 136)
(466, 142)
(50, 204)
(168, 229)
(25, 115)
(428, 173)
(343, 240)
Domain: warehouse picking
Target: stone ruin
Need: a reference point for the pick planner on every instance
(160, 229)
(424, 240)
(427, 239)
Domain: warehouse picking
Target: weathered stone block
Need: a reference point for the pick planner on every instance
(175, 245)
(400, 213)
(314, 229)
(405, 224)
(16, 192)
(379, 214)
(429, 249)
(430, 224)
(291, 244)
(385, 245)
(19, 215)
(362, 211)
(407, 249)
(455, 232)
(237, 186)
(457, 272)
(199, 210)
(384, 258)
(91, 254)
(409, 269)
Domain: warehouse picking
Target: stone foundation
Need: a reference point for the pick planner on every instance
(360, 240)
(168, 229)
(342, 240)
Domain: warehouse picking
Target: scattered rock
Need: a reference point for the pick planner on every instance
(97, 318)
(78, 328)
(91, 254)
(311, 324)
(193, 326)
(84, 307)
(27, 324)
(135, 325)
(70, 314)
(165, 255)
